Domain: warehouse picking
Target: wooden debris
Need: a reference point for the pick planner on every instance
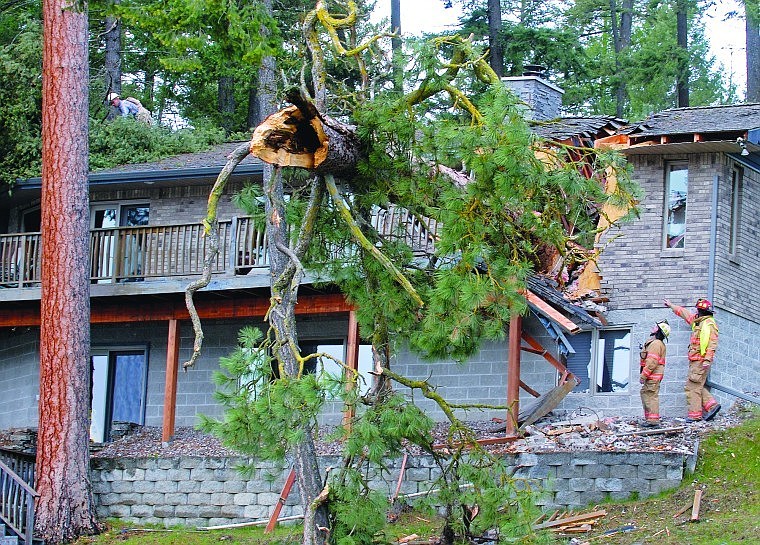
(407, 539)
(562, 431)
(683, 510)
(571, 524)
(655, 431)
(695, 508)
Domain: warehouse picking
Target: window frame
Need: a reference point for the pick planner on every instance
(734, 226)
(670, 167)
(592, 366)
(110, 352)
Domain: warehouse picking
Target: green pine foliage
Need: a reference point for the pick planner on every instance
(124, 141)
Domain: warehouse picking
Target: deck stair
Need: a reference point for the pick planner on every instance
(17, 498)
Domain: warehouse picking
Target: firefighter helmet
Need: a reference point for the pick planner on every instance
(663, 326)
(704, 305)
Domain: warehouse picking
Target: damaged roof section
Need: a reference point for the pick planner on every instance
(577, 131)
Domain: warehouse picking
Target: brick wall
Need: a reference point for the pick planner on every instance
(198, 491)
(736, 277)
(637, 272)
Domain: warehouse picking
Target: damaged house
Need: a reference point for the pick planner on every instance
(697, 237)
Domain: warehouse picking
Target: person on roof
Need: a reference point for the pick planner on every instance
(702, 346)
(130, 106)
(652, 371)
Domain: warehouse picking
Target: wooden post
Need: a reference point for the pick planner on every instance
(170, 387)
(352, 362)
(513, 373)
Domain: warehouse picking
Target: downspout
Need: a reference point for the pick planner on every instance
(713, 240)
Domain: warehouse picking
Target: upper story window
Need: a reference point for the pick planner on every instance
(602, 360)
(737, 182)
(676, 191)
(108, 215)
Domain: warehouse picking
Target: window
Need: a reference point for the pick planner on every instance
(737, 181)
(605, 357)
(118, 388)
(104, 219)
(676, 190)
(337, 349)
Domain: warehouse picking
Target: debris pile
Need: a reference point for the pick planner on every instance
(578, 431)
(567, 522)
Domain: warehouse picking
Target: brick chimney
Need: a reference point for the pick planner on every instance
(543, 100)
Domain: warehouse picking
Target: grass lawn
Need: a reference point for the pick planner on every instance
(728, 473)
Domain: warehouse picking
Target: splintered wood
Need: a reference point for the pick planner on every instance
(568, 523)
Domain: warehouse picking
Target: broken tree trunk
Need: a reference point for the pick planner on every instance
(301, 136)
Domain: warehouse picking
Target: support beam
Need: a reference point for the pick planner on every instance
(550, 312)
(513, 374)
(538, 349)
(118, 310)
(170, 387)
(352, 362)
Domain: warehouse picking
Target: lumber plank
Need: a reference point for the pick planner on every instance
(569, 520)
(695, 508)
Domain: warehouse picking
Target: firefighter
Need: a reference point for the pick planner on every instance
(652, 371)
(702, 346)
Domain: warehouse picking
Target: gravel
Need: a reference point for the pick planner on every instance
(559, 432)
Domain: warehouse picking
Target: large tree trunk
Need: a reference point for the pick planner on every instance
(301, 136)
(753, 52)
(496, 50)
(282, 315)
(65, 507)
(682, 77)
(113, 57)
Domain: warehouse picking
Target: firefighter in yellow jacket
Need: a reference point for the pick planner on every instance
(702, 346)
(652, 371)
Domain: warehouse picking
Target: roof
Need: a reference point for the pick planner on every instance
(215, 157)
(548, 290)
(591, 127)
(702, 120)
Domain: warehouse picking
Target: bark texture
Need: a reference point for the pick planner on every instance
(65, 508)
(496, 49)
(113, 52)
(682, 79)
(753, 55)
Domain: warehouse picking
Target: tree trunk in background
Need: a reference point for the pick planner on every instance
(621, 38)
(753, 52)
(682, 77)
(398, 59)
(113, 57)
(65, 508)
(496, 50)
(254, 116)
(226, 102)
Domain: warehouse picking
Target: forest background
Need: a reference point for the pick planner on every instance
(194, 64)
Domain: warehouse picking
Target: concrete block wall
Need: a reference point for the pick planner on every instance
(19, 376)
(197, 491)
(737, 363)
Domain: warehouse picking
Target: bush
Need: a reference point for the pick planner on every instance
(126, 141)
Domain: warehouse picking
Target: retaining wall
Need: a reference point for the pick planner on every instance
(197, 491)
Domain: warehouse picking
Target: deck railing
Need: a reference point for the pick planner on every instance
(136, 253)
(16, 493)
(124, 254)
